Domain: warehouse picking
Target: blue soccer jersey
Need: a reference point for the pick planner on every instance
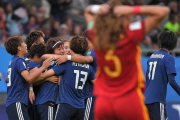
(73, 78)
(17, 87)
(93, 64)
(88, 88)
(31, 64)
(159, 66)
(47, 91)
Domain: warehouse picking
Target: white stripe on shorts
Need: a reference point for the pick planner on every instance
(88, 108)
(56, 111)
(162, 111)
(50, 113)
(19, 111)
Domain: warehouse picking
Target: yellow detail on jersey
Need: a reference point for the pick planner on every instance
(117, 63)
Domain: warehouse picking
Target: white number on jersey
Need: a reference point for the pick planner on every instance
(82, 79)
(153, 71)
(9, 77)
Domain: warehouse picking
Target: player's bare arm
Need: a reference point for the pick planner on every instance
(30, 76)
(53, 79)
(75, 58)
(0, 76)
(45, 75)
(6, 79)
(103, 9)
(46, 56)
(31, 93)
(154, 13)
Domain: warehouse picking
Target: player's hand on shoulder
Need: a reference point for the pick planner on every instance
(53, 79)
(61, 59)
(104, 9)
(47, 62)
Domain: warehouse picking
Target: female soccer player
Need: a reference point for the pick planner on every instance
(47, 92)
(18, 78)
(73, 78)
(33, 59)
(67, 49)
(161, 70)
(120, 81)
(35, 36)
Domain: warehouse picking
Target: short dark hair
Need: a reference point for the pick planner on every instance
(167, 40)
(33, 37)
(12, 44)
(36, 49)
(79, 44)
(52, 44)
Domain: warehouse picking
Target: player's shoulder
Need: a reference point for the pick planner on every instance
(19, 60)
(135, 25)
(31, 63)
(90, 67)
(90, 52)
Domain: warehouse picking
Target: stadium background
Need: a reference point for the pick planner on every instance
(64, 18)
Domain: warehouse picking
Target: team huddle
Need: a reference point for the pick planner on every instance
(95, 75)
(47, 99)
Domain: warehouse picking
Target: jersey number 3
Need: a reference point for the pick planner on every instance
(153, 69)
(82, 79)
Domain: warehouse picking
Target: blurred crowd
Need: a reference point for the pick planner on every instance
(65, 18)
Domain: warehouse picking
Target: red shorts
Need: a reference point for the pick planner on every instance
(129, 107)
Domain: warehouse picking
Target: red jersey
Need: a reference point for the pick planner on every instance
(120, 71)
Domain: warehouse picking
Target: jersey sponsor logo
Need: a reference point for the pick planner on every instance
(135, 26)
(80, 65)
(157, 56)
(52, 62)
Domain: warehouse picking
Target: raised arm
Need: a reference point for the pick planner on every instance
(155, 14)
(93, 9)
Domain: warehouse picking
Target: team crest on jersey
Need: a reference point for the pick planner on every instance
(52, 62)
(89, 53)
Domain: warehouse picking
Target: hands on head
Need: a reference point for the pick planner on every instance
(118, 10)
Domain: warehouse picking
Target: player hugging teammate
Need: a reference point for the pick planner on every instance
(44, 92)
(64, 83)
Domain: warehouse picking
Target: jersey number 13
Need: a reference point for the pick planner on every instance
(82, 79)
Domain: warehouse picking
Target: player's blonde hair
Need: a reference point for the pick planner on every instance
(108, 29)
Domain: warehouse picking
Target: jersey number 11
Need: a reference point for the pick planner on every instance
(153, 71)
